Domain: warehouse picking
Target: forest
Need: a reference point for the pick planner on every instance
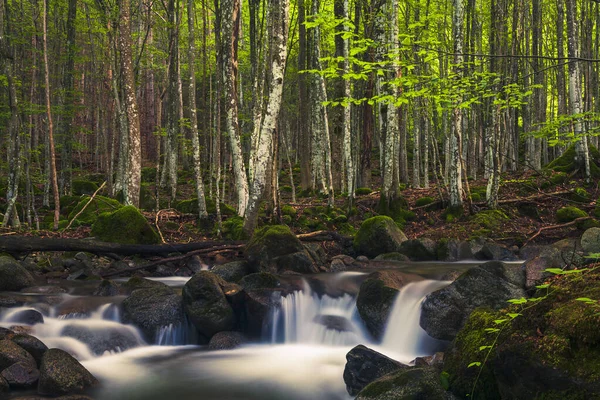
(300, 200)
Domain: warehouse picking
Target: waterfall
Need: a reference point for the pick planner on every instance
(177, 335)
(403, 335)
(304, 317)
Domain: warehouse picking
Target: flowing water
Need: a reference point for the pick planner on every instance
(302, 358)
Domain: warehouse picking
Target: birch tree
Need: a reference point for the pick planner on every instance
(278, 12)
(455, 175)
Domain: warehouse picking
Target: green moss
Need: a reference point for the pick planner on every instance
(490, 219)
(68, 203)
(148, 175)
(191, 207)
(81, 186)
(278, 239)
(423, 201)
(581, 195)
(362, 191)
(597, 209)
(286, 189)
(126, 225)
(147, 199)
(452, 214)
(378, 235)
(476, 197)
(397, 209)
(233, 228)
(568, 163)
(568, 214)
(288, 210)
(259, 280)
(97, 206)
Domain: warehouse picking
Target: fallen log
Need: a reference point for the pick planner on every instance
(27, 244)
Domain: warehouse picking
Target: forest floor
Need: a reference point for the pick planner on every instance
(528, 203)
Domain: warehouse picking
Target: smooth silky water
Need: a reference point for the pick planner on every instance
(302, 356)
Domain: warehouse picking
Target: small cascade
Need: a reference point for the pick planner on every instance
(403, 335)
(304, 317)
(177, 335)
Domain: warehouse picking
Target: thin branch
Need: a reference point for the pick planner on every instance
(85, 206)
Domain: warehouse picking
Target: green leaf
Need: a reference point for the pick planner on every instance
(522, 300)
(513, 315)
(481, 348)
(474, 364)
(500, 321)
(544, 286)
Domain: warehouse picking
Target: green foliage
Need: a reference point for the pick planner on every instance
(570, 213)
(126, 225)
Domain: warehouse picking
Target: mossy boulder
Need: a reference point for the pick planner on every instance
(424, 201)
(490, 219)
(422, 249)
(97, 206)
(231, 271)
(378, 235)
(67, 204)
(13, 276)
(364, 366)
(570, 213)
(275, 249)
(233, 228)
(445, 311)
(126, 225)
(62, 374)
(453, 213)
(81, 186)
(206, 305)
(152, 307)
(569, 162)
(260, 280)
(363, 191)
(376, 298)
(392, 257)
(550, 351)
(407, 384)
(289, 210)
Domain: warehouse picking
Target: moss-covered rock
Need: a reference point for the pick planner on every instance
(126, 225)
(231, 271)
(570, 213)
(97, 206)
(13, 276)
(364, 366)
(424, 201)
(67, 204)
(61, 374)
(569, 162)
(362, 191)
(81, 186)
(452, 214)
(580, 195)
(407, 384)
(378, 235)
(288, 210)
(260, 280)
(550, 351)
(233, 228)
(396, 209)
(490, 219)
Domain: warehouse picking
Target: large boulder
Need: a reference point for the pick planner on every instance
(152, 308)
(378, 235)
(260, 280)
(11, 353)
(93, 209)
(31, 344)
(276, 249)
(444, 312)
(227, 340)
(407, 384)
(4, 387)
(28, 317)
(206, 305)
(364, 366)
(21, 375)
(258, 310)
(376, 298)
(61, 374)
(232, 271)
(590, 240)
(126, 225)
(13, 276)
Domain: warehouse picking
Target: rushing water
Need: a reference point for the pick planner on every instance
(303, 358)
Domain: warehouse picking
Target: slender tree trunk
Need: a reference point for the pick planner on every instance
(193, 112)
(53, 177)
(279, 17)
(304, 142)
(455, 175)
(172, 109)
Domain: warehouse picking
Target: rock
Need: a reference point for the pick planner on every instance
(493, 251)
(535, 270)
(13, 277)
(407, 384)
(31, 344)
(590, 240)
(570, 213)
(21, 375)
(152, 308)
(61, 374)
(8, 301)
(316, 252)
(532, 251)
(3, 385)
(96, 206)
(107, 288)
(99, 339)
(43, 290)
(29, 317)
(227, 340)
(392, 257)
(362, 259)
(126, 225)
(258, 308)
(137, 282)
(334, 322)
(261, 280)
(378, 235)
(444, 312)
(195, 264)
(419, 249)
(376, 298)
(449, 250)
(205, 304)
(436, 360)
(571, 252)
(11, 353)
(273, 249)
(232, 271)
(364, 366)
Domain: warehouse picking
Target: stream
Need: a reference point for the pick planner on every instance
(301, 356)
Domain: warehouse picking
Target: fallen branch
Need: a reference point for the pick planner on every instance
(162, 238)
(85, 206)
(545, 228)
(320, 236)
(533, 197)
(172, 259)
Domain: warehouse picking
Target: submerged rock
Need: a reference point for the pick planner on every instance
(61, 374)
(378, 235)
(444, 312)
(364, 366)
(104, 338)
(376, 298)
(206, 305)
(227, 340)
(407, 384)
(13, 277)
(29, 317)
